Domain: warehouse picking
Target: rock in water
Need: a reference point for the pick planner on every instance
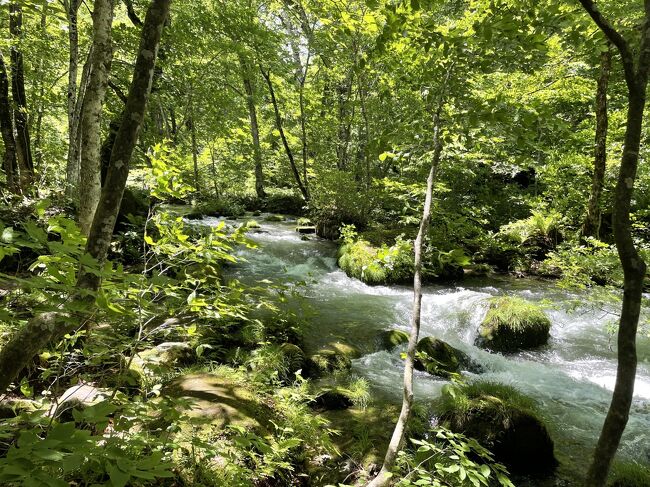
(393, 338)
(439, 358)
(512, 324)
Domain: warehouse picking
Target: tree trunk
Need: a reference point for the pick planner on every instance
(9, 164)
(47, 327)
(255, 131)
(591, 225)
(195, 153)
(344, 90)
(285, 143)
(40, 74)
(634, 268)
(90, 185)
(72, 166)
(399, 432)
(23, 143)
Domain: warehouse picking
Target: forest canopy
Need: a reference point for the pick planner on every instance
(324, 242)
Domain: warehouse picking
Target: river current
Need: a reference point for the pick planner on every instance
(571, 378)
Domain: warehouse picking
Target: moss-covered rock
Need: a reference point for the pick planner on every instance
(331, 399)
(334, 357)
(306, 230)
(377, 265)
(629, 474)
(219, 400)
(504, 421)
(441, 359)
(513, 324)
(161, 359)
(393, 338)
(10, 407)
(275, 218)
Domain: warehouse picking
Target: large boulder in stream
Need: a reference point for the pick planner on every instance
(512, 324)
(441, 359)
(504, 421)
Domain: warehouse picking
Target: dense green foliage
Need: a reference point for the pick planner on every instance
(316, 114)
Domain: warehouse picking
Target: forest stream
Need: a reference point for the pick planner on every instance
(571, 378)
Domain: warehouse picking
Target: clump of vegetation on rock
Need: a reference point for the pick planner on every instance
(375, 265)
(501, 419)
(513, 324)
(629, 474)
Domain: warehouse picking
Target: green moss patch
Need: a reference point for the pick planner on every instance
(513, 324)
(393, 338)
(504, 421)
(377, 265)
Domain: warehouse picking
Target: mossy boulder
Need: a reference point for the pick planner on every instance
(504, 421)
(333, 357)
(331, 399)
(275, 218)
(219, 400)
(513, 324)
(377, 265)
(10, 407)
(441, 359)
(162, 358)
(393, 338)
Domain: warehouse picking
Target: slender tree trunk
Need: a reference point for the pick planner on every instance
(344, 90)
(23, 143)
(591, 225)
(72, 166)
(399, 432)
(41, 94)
(91, 115)
(634, 268)
(214, 172)
(9, 164)
(255, 131)
(285, 143)
(195, 153)
(47, 327)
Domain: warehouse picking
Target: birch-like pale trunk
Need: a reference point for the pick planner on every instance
(90, 185)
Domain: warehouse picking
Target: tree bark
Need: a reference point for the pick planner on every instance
(255, 131)
(47, 327)
(9, 164)
(591, 225)
(23, 143)
(195, 151)
(285, 143)
(634, 268)
(399, 433)
(91, 115)
(72, 166)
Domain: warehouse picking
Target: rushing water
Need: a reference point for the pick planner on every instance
(571, 378)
